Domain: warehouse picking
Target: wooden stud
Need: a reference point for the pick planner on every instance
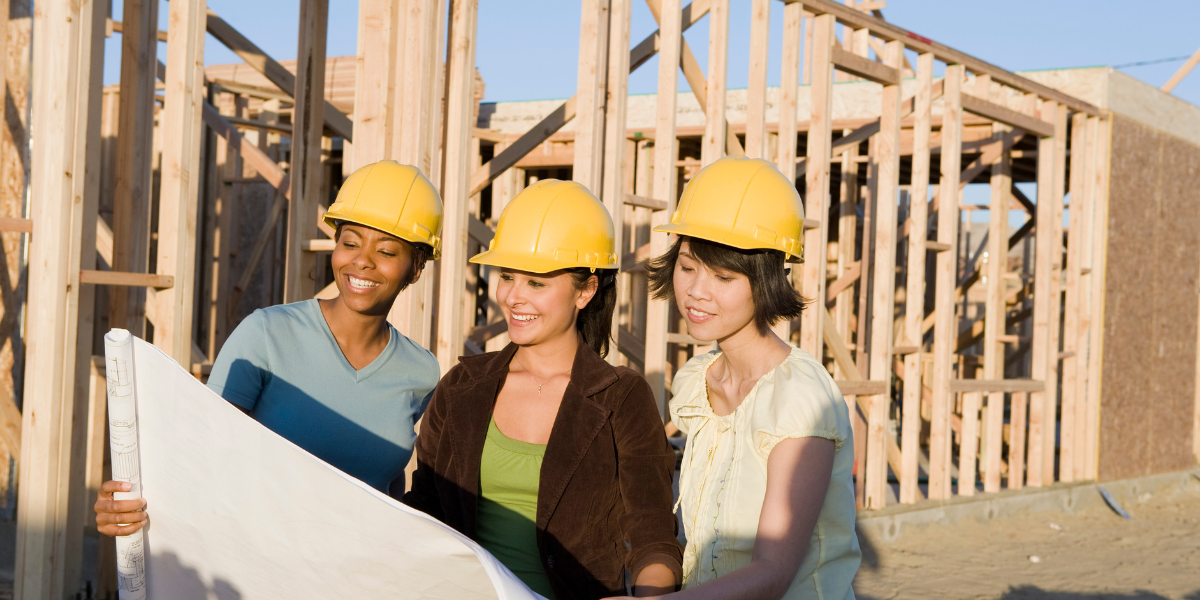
(884, 293)
(666, 149)
(756, 93)
(945, 323)
(460, 101)
(618, 158)
(1084, 212)
(994, 311)
(914, 297)
(131, 210)
(1016, 440)
(307, 127)
(1069, 428)
(69, 43)
(590, 95)
(817, 181)
(714, 142)
(785, 157)
(374, 81)
(969, 443)
(1102, 147)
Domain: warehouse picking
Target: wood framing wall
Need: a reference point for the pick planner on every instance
(966, 338)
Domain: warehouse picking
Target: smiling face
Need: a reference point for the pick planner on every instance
(370, 268)
(539, 307)
(717, 303)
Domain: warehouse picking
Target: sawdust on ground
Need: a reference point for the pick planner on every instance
(1092, 554)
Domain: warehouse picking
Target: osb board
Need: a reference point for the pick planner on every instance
(1150, 321)
(14, 177)
(339, 78)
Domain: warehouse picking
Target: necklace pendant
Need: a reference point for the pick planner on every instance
(539, 388)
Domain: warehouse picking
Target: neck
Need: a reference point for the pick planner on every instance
(353, 328)
(749, 354)
(553, 356)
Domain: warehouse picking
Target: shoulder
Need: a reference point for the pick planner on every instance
(690, 378)
(801, 401)
(415, 358)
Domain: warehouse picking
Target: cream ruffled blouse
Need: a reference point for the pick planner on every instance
(724, 475)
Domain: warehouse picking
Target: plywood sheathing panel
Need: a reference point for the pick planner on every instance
(1150, 304)
(14, 178)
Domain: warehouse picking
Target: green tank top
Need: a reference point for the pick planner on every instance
(509, 474)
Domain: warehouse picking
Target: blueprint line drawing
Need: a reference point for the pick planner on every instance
(238, 512)
(126, 464)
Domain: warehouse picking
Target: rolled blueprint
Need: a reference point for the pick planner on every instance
(126, 465)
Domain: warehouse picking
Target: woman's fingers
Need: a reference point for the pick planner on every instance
(121, 508)
(108, 487)
(119, 530)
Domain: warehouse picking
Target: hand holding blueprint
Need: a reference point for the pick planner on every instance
(239, 513)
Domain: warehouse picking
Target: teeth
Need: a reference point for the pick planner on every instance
(524, 317)
(698, 313)
(361, 283)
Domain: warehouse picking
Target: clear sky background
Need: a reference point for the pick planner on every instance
(527, 49)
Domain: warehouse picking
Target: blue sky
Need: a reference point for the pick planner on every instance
(528, 49)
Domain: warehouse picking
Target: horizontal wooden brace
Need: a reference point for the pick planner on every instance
(997, 385)
(864, 67)
(633, 260)
(149, 280)
(325, 245)
(483, 333)
(632, 347)
(248, 124)
(644, 202)
(937, 246)
(861, 387)
(246, 89)
(479, 231)
(905, 349)
(812, 223)
(920, 44)
(1008, 116)
(119, 27)
(16, 225)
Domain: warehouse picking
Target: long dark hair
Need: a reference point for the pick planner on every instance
(594, 321)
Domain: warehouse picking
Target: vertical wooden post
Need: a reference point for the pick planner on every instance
(968, 443)
(1016, 440)
(816, 180)
(1096, 329)
(994, 309)
(618, 160)
(914, 297)
(460, 106)
(756, 94)
(945, 328)
(590, 94)
(1076, 235)
(789, 91)
(374, 81)
(666, 149)
(229, 161)
(308, 124)
(884, 295)
(714, 143)
(131, 207)
(1084, 212)
(1044, 354)
(68, 44)
(181, 127)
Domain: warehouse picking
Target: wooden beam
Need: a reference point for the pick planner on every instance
(299, 281)
(715, 141)
(1182, 72)
(996, 385)
(864, 67)
(16, 225)
(756, 92)
(1003, 114)
(50, 491)
(914, 297)
(817, 181)
(789, 92)
(181, 130)
(590, 100)
(665, 177)
(374, 81)
(276, 73)
(119, 27)
(116, 278)
(968, 448)
(1103, 167)
(618, 151)
(886, 31)
(134, 150)
(994, 310)
(457, 161)
(1069, 430)
(945, 272)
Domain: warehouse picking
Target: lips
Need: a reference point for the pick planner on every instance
(698, 316)
(522, 320)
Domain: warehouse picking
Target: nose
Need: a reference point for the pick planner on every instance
(362, 259)
(697, 287)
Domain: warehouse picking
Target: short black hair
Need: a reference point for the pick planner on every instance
(420, 253)
(775, 299)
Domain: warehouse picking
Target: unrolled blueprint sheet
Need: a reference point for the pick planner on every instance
(239, 513)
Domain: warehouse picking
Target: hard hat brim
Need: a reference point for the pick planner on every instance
(725, 238)
(527, 263)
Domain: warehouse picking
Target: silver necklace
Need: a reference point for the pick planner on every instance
(535, 379)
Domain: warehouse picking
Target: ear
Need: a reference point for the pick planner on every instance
(416, 274)
(588, 291)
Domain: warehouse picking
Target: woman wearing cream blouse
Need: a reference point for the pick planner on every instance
(766, 493)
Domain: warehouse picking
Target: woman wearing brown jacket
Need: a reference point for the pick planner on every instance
(543, 453)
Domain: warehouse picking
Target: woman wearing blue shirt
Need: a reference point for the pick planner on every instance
(333, 376)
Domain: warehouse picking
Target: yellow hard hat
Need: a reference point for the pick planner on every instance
(552, 225)
(742, 202)
(392, 198)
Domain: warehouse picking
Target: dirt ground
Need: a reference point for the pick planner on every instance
(1092, 554)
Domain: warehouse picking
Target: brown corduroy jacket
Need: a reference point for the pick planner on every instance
(604, 497)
